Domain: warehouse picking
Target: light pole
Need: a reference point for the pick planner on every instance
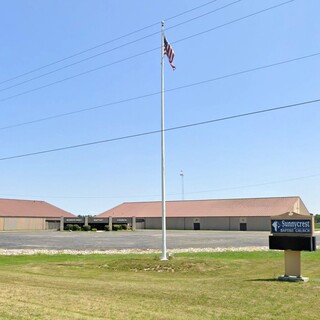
(182, 184)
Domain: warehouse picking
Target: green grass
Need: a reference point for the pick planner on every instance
(317, 226)
(230, 285)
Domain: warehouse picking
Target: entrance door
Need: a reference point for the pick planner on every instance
(140, 225)
(53, 225)
(196, 226)
(243, 226)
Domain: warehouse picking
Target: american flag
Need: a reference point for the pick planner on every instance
(169, 52)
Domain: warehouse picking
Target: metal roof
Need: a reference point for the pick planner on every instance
(209, 208)
(30, 208)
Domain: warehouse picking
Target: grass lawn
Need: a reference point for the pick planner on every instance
(230, 285)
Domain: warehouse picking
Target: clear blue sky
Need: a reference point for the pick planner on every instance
(269, 154)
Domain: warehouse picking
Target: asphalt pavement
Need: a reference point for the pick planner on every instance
(142, 239)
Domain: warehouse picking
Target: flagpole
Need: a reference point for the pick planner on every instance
(163, 189)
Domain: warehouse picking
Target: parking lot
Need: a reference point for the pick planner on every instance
(142, 239)
(146, 239)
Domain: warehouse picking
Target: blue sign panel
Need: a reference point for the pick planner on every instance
(291, 226)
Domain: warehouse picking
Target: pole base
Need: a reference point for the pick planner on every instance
(293, 279)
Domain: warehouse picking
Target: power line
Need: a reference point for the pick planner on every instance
(256, 185)
(78, 111)
(77, 75)
(234, 21)
(107, 42)
(187, 11)
(169, 194)
(244, 72)
(78, 62)
(115, 48)
(166, 130)
(143, 53)
(158, 92)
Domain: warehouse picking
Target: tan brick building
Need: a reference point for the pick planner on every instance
(29, 215)
(227, 214)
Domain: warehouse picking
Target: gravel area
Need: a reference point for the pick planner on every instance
(15, 252)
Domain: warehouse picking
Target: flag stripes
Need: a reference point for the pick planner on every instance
(168, 51)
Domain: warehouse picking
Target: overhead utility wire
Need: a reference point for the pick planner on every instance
(156, 195)
(77, 75)
(254, 185)
(243, 72)
(107, 42)
(166, 130)
(115, 48)
(233, 21)
(142, 53)
(169, 194)
(158, 92)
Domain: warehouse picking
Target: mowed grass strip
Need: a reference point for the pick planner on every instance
(229, 285)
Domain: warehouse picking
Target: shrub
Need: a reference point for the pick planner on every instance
(76, 227)
(94, 229)
(116, 227)
(69, 227)
(106, 227)
(86, 228)
(124, 227)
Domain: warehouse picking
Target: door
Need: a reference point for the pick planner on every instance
(243, 226)
(196, 226)
(140, 225)
(53, 225)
